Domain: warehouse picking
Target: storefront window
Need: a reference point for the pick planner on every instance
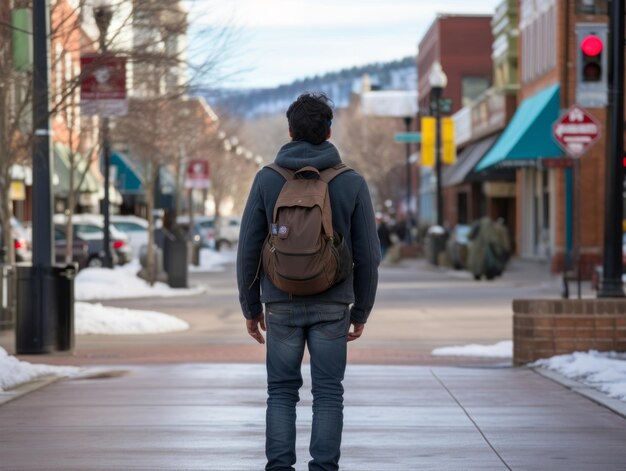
(592, 7)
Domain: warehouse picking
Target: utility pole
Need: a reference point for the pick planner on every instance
(611, 284)
(35, 323)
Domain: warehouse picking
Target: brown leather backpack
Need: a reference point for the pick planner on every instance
(302, 254)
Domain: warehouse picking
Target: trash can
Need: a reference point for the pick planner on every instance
(175, 260)
(34, 327)
(44, 309)
(7, 298)
(436, 239)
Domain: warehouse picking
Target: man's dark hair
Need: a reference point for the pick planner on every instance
(310, 118)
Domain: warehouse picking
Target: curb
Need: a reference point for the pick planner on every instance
(596, 396)
(27, 388)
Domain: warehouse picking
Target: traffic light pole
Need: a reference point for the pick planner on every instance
(409, 185)
(611, 284)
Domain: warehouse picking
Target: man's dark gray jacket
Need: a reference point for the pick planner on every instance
(353, 217)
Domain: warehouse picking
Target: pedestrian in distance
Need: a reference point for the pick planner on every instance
(312, 258)
(384, 234)
(487, 248)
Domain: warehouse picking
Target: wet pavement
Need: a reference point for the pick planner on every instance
(211, 417)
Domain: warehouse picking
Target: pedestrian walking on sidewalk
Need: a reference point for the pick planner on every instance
(316, 314)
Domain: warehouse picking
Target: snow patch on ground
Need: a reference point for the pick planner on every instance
(604, 371)
(14, 372)
(212, 261)
(502, 349)
(99, 319)
(122, 282)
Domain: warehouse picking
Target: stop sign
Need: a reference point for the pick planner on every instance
(575, 131)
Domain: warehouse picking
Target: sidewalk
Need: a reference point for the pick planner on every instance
(211, 417)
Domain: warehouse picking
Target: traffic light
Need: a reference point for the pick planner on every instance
(591, 48)
(592, 65)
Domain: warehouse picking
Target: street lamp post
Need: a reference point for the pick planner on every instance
(438, 81)
(102, 14)
(396, 104)
(611, 284)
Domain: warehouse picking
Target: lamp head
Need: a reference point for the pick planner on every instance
(102, 13)
(437, 78)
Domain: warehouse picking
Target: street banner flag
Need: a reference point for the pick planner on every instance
(447, 140)
(103, 85)
(428, 141)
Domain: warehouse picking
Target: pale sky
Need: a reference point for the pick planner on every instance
(283, 40)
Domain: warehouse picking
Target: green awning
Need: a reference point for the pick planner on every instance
(528, 136)
(62, 172)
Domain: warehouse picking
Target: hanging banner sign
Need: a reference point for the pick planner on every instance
(197, 177)
(103, 85)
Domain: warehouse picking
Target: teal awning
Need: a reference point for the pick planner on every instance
(528, 136)
(128, 179)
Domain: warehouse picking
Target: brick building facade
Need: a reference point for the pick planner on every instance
(469, 69)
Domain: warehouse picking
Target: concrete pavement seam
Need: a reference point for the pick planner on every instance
(471, 419)
(27, 388)
(614, 405)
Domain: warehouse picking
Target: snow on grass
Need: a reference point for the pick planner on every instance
(502, 349)
(604, 371)
(120, 283)
(99, 319)
(14, 372)
(212, 261)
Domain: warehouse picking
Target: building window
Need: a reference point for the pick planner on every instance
(592, 7)
(538, 31)
(472, 88)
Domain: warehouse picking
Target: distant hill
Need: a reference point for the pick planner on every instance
(339, 86)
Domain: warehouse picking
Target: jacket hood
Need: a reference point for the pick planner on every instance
(297, 154)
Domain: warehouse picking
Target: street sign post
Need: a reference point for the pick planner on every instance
(408, 137)
(576, 131)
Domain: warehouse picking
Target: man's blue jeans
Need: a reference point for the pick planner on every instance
(323, 328)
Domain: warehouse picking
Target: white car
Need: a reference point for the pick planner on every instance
(135, 228)
(224, 235)
(228, 231)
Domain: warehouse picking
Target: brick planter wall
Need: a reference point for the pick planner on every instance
(546, 327)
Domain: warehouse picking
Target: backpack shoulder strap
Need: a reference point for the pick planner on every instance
(328, 174)
(286, 173)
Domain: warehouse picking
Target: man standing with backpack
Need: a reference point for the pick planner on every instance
(308, 249)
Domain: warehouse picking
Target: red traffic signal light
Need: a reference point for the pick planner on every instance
(591, 47)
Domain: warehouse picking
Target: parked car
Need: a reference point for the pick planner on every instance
(80, 248)
(90, 227)
(224, 234)
(135, 228)
(95, 248)
(228, 228)
(457, 245)
(204, 229)
(21, 243)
